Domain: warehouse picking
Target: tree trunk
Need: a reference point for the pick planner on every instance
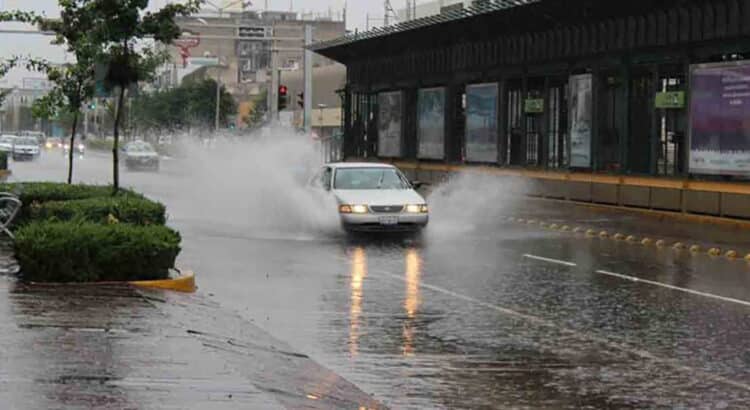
(72, 146)
(116, 144)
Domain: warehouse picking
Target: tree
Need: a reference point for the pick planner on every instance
(121, 27)
(192, 103)
(73, 82)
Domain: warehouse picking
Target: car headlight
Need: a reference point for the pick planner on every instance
(48, 145)
(353, 209)
(80, 146)
(417, 209)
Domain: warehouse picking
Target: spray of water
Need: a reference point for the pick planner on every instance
(467, 202)
(259, 183)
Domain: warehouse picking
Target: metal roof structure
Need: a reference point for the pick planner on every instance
(478, 8)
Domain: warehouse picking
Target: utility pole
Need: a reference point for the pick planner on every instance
(308, 78)
(273, 95)
(218, 101)
(387, 7)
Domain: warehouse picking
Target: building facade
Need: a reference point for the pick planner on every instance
(242, 43)
(586, 85)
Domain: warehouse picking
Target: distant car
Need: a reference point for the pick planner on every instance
(373, 197)
(80, 148)
(6, 143)
(141, 155)
(52, 143)
(40, 137)
(25, 148)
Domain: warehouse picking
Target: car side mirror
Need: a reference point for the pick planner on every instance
(417, 184)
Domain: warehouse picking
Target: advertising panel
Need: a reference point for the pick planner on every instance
(431, 123)
(720, 119)
(581, 96)
(390, 109)
(481, 123)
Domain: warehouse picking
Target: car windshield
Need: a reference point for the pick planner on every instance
(369, 178)
(26, 141)
(6, 140)
(140, 147)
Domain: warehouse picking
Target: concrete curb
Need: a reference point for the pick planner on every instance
(184, 283)
(677, 246)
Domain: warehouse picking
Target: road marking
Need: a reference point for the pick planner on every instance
(664, 285)
(550, 260)
(643, 354)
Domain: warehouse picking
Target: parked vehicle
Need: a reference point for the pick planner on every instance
(25, 148)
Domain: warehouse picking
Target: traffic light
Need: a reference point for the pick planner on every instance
(282, 97)
(301, 100)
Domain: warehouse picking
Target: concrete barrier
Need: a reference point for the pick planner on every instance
(729, 200)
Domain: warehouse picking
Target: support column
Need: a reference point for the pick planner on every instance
(502, 123)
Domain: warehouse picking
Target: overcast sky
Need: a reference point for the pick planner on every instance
(14, 44)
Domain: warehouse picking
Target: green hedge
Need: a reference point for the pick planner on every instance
(99, 144)
(125, 208)
(3, 160)
(50, 251)
(33, 194)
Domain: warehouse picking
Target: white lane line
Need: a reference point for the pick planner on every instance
(550, 260)
(664, 285)
(643, 354)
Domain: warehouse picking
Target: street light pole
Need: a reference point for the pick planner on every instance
(218, 101)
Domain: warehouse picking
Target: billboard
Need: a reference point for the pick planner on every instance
(390, 109)
(581, 99)
(431, 123)
(720, 118)
(481, 123)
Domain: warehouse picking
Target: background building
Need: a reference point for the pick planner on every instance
(237, 47)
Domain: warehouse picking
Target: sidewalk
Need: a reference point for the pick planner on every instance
(115, 347)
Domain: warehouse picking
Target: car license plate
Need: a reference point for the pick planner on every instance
(388, 220)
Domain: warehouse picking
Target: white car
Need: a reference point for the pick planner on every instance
(25, 148)
(373, 197)
(6, 143)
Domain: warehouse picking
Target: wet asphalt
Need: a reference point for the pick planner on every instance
(473, 313)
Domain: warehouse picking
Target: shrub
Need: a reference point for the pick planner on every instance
(50, 251)
(3, 160)
(125, 208)
(35, 193)
(99, 144)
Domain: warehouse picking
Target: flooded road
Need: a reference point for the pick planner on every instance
(477, 312)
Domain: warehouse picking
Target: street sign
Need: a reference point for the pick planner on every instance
(203, 61)
(534, 106)
(670, 100)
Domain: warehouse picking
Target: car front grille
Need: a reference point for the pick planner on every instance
(382, 209)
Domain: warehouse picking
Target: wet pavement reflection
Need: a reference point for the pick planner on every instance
(489, 314)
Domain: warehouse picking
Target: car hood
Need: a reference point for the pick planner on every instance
(142, 154)
(25, 147)
(378, 197)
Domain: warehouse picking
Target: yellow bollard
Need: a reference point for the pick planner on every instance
(695, 249)
(590, 232)
(678, 246)
(661, 243)
(554, 226)
(731, 254)
(603, 234)
(619, 237)
(714, 252)
(647, 241)
(565, 228)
